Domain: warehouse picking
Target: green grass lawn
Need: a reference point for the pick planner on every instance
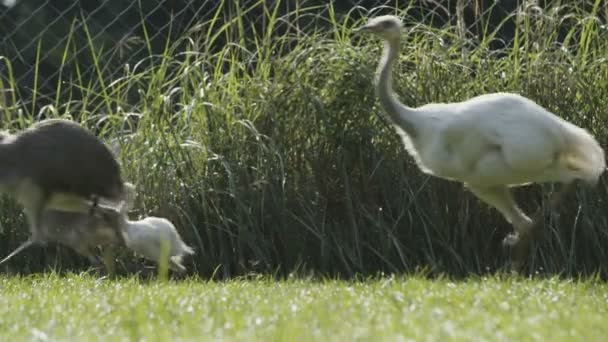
(391, 309)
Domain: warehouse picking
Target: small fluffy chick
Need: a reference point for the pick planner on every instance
(146, 236)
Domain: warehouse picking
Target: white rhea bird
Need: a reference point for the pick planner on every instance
(490, 142)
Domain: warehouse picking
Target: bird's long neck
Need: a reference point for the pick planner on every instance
(399, 113)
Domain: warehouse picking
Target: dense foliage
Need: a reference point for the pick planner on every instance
(271, 154)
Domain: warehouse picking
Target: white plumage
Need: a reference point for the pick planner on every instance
(490, 142)
(146, 237)
(503, 138)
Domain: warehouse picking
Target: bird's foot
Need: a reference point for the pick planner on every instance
(520, 250)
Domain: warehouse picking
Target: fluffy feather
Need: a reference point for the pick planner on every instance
(146, 236)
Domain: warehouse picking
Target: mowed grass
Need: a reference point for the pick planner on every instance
(80, 307)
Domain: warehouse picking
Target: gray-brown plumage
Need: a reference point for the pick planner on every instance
(61, 156)
(84, 232)
(56, 156)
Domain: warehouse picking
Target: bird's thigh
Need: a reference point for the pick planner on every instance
(32, 198)
(501, 198)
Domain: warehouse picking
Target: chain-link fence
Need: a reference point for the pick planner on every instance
(41, 39)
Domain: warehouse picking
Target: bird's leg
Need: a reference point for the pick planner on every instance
(555, 200)
(531, 229)
(33, 199)
(521, 246)
(109, 260)
(23, 246)
(522, 243)
(176, 267)
(500, 197)
(525, 228)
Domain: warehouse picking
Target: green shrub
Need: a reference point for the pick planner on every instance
(272, 155)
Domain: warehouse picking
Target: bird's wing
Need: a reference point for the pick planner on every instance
(527, 142)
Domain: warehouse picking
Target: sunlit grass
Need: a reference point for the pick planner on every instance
(384, 309)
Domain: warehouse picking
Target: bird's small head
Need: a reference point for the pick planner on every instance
(386, 26)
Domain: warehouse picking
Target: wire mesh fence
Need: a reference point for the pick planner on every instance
(41, 40)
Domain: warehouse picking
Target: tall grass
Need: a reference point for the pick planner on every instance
(271, 154)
